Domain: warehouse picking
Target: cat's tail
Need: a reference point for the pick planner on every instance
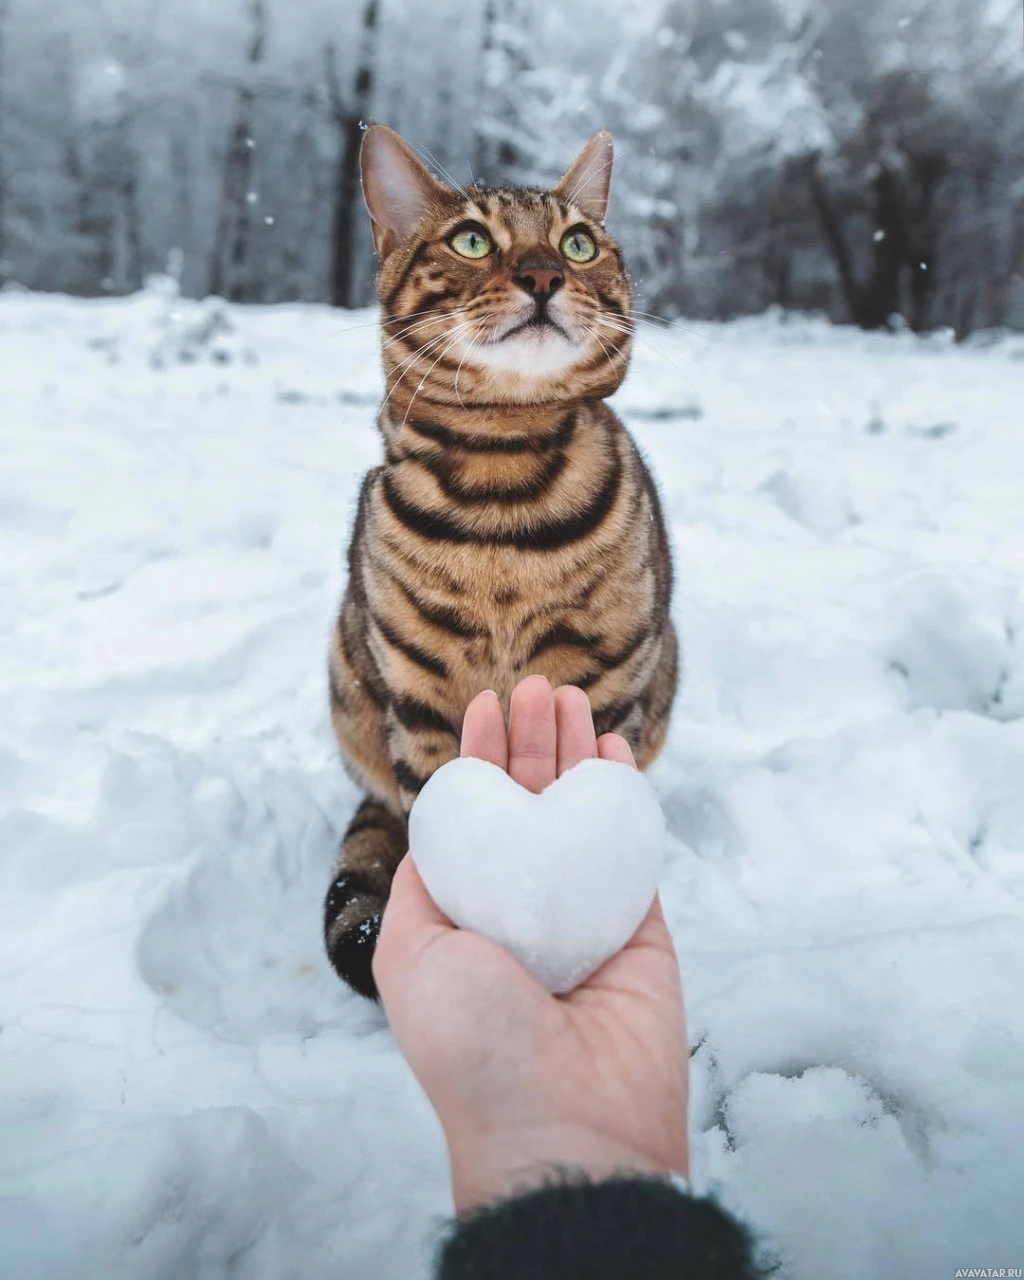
(373, 846)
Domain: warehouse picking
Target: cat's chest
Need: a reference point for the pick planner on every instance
(517, 563)
(517, 518)
(526, 629)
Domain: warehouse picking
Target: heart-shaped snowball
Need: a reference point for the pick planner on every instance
(562, 880)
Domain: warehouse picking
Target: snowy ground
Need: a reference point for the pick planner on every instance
(185, 1089)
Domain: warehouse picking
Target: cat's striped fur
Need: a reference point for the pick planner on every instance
(512, 527)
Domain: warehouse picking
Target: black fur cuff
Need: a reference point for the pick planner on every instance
(626, 1229)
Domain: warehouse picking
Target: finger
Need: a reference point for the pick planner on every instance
(412, 920)
(532, 753)
(612, 746)
(574, 727)
(483, 730)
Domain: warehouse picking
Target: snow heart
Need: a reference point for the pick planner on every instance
(561, 880)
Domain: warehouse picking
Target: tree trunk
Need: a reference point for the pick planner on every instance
(481, 156)
(836, 241)
(303, 183)
(928, 172)
(349, 121)
(134, 254)
(963, 325)
(115, 183)
(881, 299)
(777, 263)
(92, 225)
(230, 261)
(182, 181)
(501, 151)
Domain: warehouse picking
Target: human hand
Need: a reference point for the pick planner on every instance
(523, 1082)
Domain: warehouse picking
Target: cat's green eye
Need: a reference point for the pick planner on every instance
(471, 242)
(578, 246)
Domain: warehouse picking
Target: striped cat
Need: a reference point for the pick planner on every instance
(512, 527)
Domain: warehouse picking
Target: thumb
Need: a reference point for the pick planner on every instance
(412, 921)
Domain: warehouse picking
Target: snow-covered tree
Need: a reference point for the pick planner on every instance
(861, 159)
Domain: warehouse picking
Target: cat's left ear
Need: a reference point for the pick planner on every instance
(587, 180)
(397, 188)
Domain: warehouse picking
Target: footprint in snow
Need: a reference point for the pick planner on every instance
(235, 946)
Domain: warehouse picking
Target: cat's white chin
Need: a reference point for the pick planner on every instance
(536, 351)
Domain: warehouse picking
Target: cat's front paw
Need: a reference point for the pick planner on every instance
(352, 916)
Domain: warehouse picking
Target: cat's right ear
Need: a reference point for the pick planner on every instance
(587, 181)
(397, 188)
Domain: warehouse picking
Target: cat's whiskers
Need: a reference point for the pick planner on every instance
(420, 351)
(406, 364)
(411, 315)
(473, 342)
(656, 347)
(666, 322)
(383, 321)
(423, 380)
(633, 330)
(423, 350)
(592, 333)
(432, 343)
(428, 155)
(439, 316)
(429, 342)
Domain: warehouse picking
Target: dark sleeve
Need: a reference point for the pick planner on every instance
(623, 1229)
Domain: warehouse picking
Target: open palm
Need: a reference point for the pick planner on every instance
(525, 1082)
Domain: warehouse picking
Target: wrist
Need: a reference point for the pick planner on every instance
(486, 1168)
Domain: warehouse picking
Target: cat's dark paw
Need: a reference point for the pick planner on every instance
(352, 956)
(351, 929)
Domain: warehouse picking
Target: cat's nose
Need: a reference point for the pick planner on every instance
(541, 279)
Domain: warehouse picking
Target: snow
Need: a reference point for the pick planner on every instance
(185, 1088)
(768, 105)
(544, 876)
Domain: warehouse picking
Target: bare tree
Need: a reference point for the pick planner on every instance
(903, 150)
(482, 151)
(183, 181)
(349, 115)
(509, 92)
(230, 262)
(860, 159)
(115, 165)
(100, 170)
(306, 180)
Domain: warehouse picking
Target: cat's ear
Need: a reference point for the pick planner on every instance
(397, 188)
(587, 180)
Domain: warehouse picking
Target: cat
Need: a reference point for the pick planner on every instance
(512, 527)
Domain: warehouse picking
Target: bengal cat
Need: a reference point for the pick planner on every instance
(512, 527)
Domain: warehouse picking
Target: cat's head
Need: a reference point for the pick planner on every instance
(497, 295)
